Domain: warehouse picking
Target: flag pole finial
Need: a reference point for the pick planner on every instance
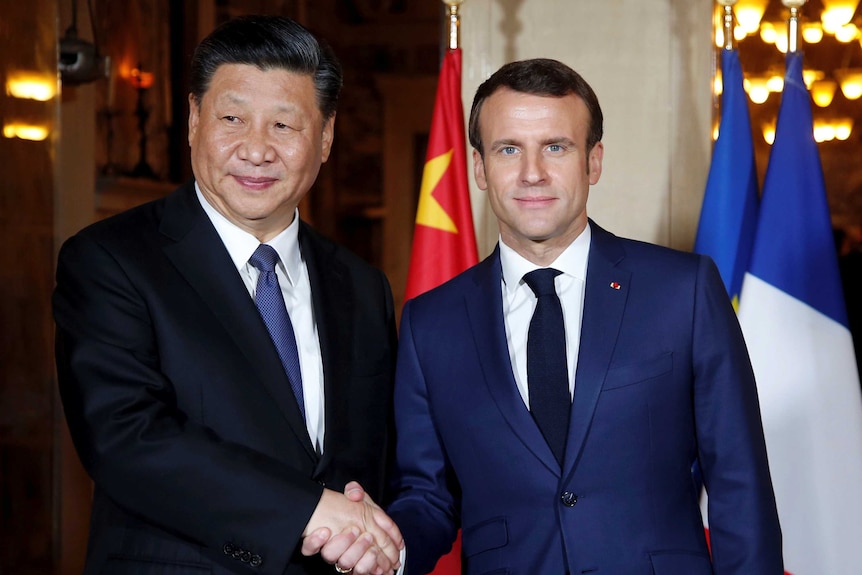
(793, 32)
(453, 7)
(728, 22)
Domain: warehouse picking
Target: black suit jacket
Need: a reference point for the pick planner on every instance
(180, 409)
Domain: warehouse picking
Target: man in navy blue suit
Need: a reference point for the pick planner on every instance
(588, 471)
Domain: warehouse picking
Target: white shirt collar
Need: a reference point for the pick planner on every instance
(572, 262)
(241, 245)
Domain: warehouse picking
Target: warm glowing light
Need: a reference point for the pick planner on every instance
(837, 13)
(757, 90)
(811, 76)
(768, 33)
(30, 86)
(748, 14)
(715, 132)
(847, 33)
(823, 132)
(25, 131)
(843, 128)
(719, 37)
(769, 133)
(739, 33)
(812, 32)
(822, 92)
(775, 83)
(141, 79)
(717, 83)
(851, 82)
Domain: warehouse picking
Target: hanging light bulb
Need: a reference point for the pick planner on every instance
(812, 32)
(847, 33)
(757, 90)
(822, 92)
(837, 13)
(749, 13)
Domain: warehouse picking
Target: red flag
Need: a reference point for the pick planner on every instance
(444, 242)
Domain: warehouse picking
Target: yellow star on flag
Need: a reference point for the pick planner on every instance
(430, 213)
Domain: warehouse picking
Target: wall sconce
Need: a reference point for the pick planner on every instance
(822, 92)
(810, 76)
(142, 81)
(851, 82)
(23, 131)
(31, 86)
(843, 128)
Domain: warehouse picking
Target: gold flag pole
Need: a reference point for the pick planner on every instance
(454, 22)
(793, 30)
(728, 22)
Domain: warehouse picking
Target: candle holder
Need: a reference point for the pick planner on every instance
(142, 81)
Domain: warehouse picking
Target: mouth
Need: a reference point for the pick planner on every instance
(255, 182)
(536, 201)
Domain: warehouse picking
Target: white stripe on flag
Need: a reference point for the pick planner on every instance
(812, 419)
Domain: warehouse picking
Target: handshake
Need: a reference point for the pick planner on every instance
(353, 533)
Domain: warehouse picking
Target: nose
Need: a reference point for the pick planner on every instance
(533, 170)
(256, 147)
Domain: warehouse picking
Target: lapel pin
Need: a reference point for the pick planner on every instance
(615, 285)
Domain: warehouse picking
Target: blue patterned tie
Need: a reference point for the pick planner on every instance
(547, 375)
(270, 303)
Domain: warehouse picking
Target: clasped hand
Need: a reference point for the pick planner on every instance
(353, 533)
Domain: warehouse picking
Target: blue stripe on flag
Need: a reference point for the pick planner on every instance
(728, 217)
(794, 248)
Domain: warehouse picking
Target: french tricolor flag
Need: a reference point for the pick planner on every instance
(793, 316)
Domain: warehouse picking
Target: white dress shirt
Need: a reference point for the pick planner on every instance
(295, 287)
(519, 302)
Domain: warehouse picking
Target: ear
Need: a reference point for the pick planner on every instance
(194, 118)
(479, 170)
(326, 138)
(594, 162)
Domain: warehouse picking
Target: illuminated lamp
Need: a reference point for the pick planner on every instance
(822, 92)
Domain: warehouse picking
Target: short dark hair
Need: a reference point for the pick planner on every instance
(268, 42)
(540, 77)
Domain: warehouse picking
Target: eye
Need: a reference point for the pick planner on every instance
(281, 126)
(508, 150)
(556, 148)
(230, 119)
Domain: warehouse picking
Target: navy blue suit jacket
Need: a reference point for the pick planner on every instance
(663, 379)
(179, 406)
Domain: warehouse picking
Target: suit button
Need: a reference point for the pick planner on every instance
(228, 549)
(255, 561)
(569, 499)
(245, 557)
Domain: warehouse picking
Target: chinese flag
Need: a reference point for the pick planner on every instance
(444, 243)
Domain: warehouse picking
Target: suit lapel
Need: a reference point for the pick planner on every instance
(333, 303)
(603, 312)
(199, 255)
(485, 310)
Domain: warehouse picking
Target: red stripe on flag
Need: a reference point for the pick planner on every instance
(438, 254)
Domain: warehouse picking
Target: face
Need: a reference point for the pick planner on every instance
(536, 169)
(257, 142)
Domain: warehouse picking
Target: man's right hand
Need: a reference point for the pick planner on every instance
(353, 533)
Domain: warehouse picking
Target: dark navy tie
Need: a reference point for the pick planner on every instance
(270, 303)
(547, 375)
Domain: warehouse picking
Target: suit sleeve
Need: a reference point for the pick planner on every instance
(425, 489)
(743, 522)
(140, 449)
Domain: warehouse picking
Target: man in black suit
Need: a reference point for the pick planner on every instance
(207, 452)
